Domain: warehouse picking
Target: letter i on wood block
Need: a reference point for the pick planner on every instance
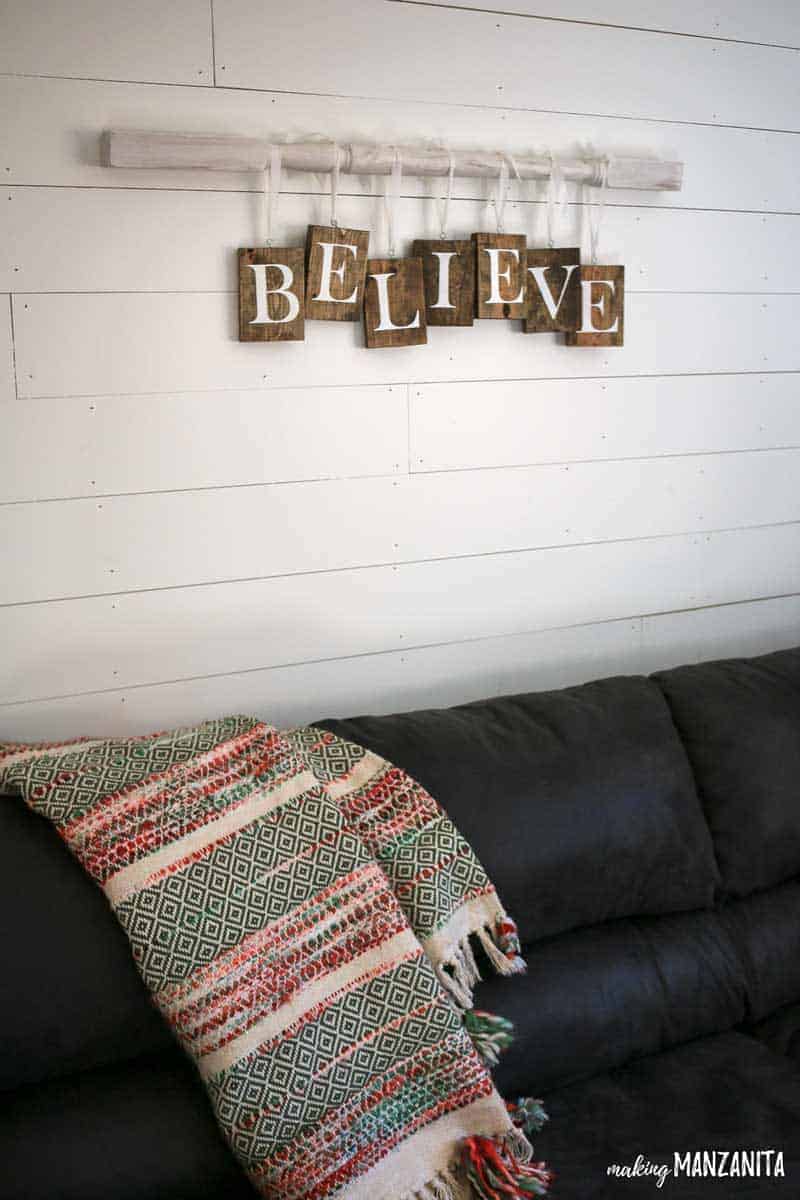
(602, 312)
(336, 262)
(394, 303)
(448, 270)
(554, 290)
(271, 294)
(501, 282)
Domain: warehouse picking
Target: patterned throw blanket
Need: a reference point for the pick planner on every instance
(301, 911)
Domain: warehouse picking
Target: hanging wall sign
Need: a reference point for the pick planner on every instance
(394, 303)
(336, 263)
(271, 294)
(554, 290)
(601, 317)
(500, 275)
(448, 270)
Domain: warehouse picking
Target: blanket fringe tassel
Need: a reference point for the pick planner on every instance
(459, 971)
(502, 1168)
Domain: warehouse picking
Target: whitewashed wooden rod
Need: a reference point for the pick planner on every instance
(215, 152)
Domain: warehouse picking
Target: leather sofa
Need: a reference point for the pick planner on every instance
(645, 833)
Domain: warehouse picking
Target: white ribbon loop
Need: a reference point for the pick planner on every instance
(334, 184)
(272, 192)
(595, 209)
(501, 194)
(391, 195)
(556, 199)
(443, 204)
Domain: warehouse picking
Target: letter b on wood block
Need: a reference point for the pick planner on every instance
(336, 260)
(394, 303)
(448, 270)
(500, 265)
(271, 295)
(602, 311)
(554, 290)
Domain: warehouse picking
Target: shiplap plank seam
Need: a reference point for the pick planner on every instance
(624, 25)
(468, 641)
(396, 564)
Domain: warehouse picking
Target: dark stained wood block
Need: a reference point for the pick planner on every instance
(501, 275)
(602, 312)
(448, 270)
(394, 303)
(554, 290)
(271, 294)
(336, 262)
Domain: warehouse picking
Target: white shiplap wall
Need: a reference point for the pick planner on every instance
(190, 525)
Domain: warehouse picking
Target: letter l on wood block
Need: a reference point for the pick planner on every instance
(336, 261)
(394, 303)
(602, 314)
(271, 294)
(448, 269)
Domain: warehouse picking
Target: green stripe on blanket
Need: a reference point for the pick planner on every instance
(301, 911)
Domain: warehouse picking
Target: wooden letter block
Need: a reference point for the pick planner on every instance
(448, 269)
(554, 290)
(394, 303)
(336, 261)
(602, 312)
(271, 295)
(501, 274)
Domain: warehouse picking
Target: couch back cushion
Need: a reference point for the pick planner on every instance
(71, 997)
(580, 802)
(740, 723)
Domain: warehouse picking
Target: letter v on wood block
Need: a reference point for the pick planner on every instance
(448, 270)
(602, 313)
(271, 295)
(554, 290)
(394, 303)
(336, 261)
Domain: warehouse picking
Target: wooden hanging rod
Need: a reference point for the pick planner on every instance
(215, 152)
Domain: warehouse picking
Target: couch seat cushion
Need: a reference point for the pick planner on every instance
(142, 1130)
(727, 1092)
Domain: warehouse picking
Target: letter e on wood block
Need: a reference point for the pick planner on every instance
(271, 294)
(394, 303)
(602, 311)
(448, 269)
(500, 266)
(336, 261)
(554, 290)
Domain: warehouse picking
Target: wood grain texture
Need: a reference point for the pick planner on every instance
(157, 636)
(507, 279)
(602, 311)
(278, 328)
(345, 270)
(553, 288)
(394, 295)
(460, 276)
